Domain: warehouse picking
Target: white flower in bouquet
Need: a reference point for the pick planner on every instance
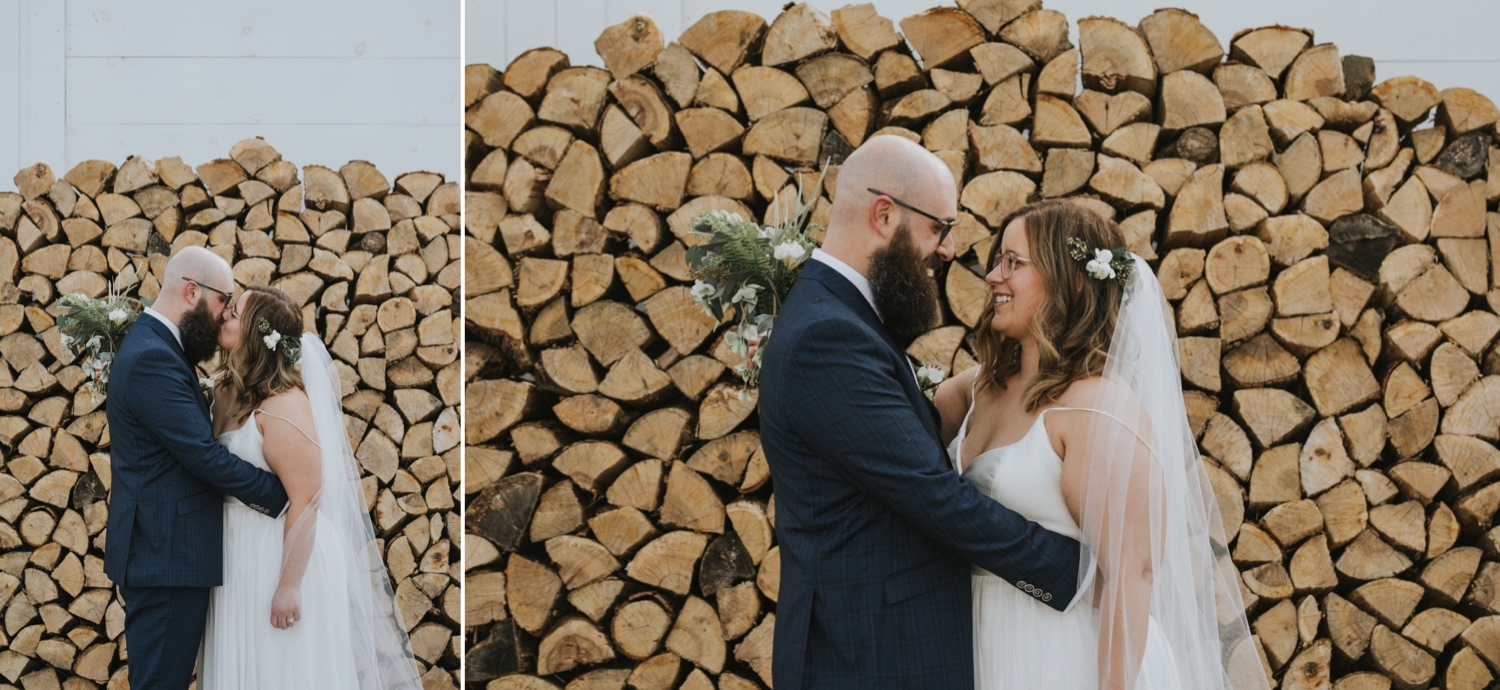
(94, 342)
(117, 315)
(746, 295)
(726, 216)
(66, 340)
(1099, 268)
(702, 291)
(790, 252)
(767, 232)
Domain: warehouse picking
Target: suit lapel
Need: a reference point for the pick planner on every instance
(851, 298)
(157, 328)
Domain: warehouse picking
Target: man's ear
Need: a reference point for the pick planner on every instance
(880, 217)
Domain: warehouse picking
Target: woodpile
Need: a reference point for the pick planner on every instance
(375, 264)
(1329, 245)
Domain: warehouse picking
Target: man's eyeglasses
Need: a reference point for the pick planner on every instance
(946, 225)
(1008, 263)
(199, 283)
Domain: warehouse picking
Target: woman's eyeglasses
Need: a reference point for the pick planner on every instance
(1008, 262)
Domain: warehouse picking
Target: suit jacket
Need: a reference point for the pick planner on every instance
(876, 530)
(168, 473)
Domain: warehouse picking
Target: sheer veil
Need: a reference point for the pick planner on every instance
(337, 524)
(1151, 520)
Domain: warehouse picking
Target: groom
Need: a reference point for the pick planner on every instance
(165, 533)
(877, 532)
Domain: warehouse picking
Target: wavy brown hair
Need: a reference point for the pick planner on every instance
(1073, 324)
(253, 370)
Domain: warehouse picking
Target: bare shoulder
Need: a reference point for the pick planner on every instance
(292, 406)
(953, 393)
(1095, 392)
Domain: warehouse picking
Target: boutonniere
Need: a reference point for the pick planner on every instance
(206, 386)
(928, 377)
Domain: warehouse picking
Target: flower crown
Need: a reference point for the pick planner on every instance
(291, 350)
(1103, 264)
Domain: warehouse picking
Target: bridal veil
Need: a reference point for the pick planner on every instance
(1160, 558)
(338, 519)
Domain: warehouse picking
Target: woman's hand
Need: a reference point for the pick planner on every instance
(286, 607)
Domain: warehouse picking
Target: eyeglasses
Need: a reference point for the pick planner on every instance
(200, 283)
(946, 225)
(1008, 263)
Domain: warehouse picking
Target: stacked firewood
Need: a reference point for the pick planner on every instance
(1327, 243)
(375, 266)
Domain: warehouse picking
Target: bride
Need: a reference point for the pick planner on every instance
(306, 601)
(1074, 418)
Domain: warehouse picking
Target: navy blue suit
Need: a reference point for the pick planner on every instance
(876, 530)
(165, 542)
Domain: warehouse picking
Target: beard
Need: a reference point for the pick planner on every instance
(904, 285)
(200, 333)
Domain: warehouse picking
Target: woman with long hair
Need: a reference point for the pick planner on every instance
(1074, 418)
(306, 601)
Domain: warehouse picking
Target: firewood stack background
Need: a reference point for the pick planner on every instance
(376, 265)
(1326, 239)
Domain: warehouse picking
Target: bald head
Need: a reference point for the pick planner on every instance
(861, 221)
(193, 274)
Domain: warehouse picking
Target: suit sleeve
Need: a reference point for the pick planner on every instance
(863, 422)
(189, 439)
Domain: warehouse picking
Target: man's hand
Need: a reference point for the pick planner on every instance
(286, 607)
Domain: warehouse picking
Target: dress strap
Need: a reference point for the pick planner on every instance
(963, 429)
(1106, 414)
(294, 426)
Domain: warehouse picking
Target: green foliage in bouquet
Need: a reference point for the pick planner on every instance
(748, 270)
(93, 328)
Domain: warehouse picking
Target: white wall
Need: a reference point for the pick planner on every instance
(1447, 42)
(324, 81)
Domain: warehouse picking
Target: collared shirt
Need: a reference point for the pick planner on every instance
(176, 332)
(860, 282)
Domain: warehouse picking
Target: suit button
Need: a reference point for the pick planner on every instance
(1021, 584)
(1046, 597)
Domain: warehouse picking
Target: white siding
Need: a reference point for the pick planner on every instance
(324, 81)
(1449, 43)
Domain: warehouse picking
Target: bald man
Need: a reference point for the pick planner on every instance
(877, 531)
(164, 545)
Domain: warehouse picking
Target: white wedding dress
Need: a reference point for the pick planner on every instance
(1020, 642)
(241, 649)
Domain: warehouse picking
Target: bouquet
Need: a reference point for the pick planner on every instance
(93, 328)
(750, 269)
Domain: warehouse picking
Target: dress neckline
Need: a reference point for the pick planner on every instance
(249, 421)
(963, 432)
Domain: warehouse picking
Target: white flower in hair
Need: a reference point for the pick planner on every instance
(117, 315)
(272, 340)
(789, 251)
(1099, 268)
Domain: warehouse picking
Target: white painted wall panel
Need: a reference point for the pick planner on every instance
(260, 90)
(43, 107)
(484, 32)
(10, 82)
(289, 28)
(1449, 43)
(324, 81)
